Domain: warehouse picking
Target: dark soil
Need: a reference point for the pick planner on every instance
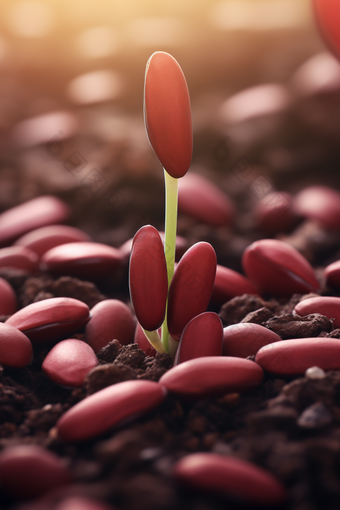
(289, 426)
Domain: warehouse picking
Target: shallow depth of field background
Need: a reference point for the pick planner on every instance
(86, 59)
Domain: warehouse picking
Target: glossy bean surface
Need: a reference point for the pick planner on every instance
(245, 339)
(111, 319)
(8, 300)
(326, 305)
(109, 407)
(231, 477)
(15, 348)
(293, 357)
(50, 319)
(228, 284)
(212, 376)
(69, 362)
(19, 257)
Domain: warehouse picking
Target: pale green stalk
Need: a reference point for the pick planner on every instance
(154, 340)
(171, 199)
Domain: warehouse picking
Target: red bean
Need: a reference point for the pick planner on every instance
(276, 213)
(320, 204)
(243, 340)
(181, 246)
(326, 305)
(50, 319)
(19, 257)
(69, 362)
(29, 471)
(212, 376)
(109, 407)
(8, 300)
(228, 284)
(231, 477)
(202, 336)
(200, 198)
(81, 503)
(278, 269)
(293, 357)
(332, 274)
(167, 113)
(49, 127)
(45, 238)
(191, 287)
(83, 260)
(148, 278)
(111, 319)
(328, 12)
(15, 348)
(143, 342)
(35, 213)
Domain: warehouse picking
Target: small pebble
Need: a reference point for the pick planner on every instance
(315, 416)
(29, 471)
(69, 361)
(315, 373)
(229, 476)
(109, 407)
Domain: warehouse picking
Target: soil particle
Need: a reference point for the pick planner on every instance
(110, 352)
(131, 356)
(104, 375)
(294, 326)
(236, 309)
(258, 316)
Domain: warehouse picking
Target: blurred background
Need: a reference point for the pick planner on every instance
(263, 87)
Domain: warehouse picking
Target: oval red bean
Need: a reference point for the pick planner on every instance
(19, 257)
(321, 204)
(200, 198)
(83, 260)
(167, 113)
(50, 319)
(245, 339)
(8, 300)
(29, 471)
(82, 503)
(212, 376)
(111, 319)
(148, 279)
(228, 284)
(293, 357)
(326, 305)
(231, 477)
(191, 287)
(332, 274)
(38, 212)
(109, 407)
(69, 362)
(45, 238)
(278, 269)
(202, 336)
(15, 348)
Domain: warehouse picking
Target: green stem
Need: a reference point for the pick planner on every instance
(154, 340)
(171, 193)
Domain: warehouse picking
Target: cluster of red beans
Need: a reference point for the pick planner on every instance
(202, 368)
